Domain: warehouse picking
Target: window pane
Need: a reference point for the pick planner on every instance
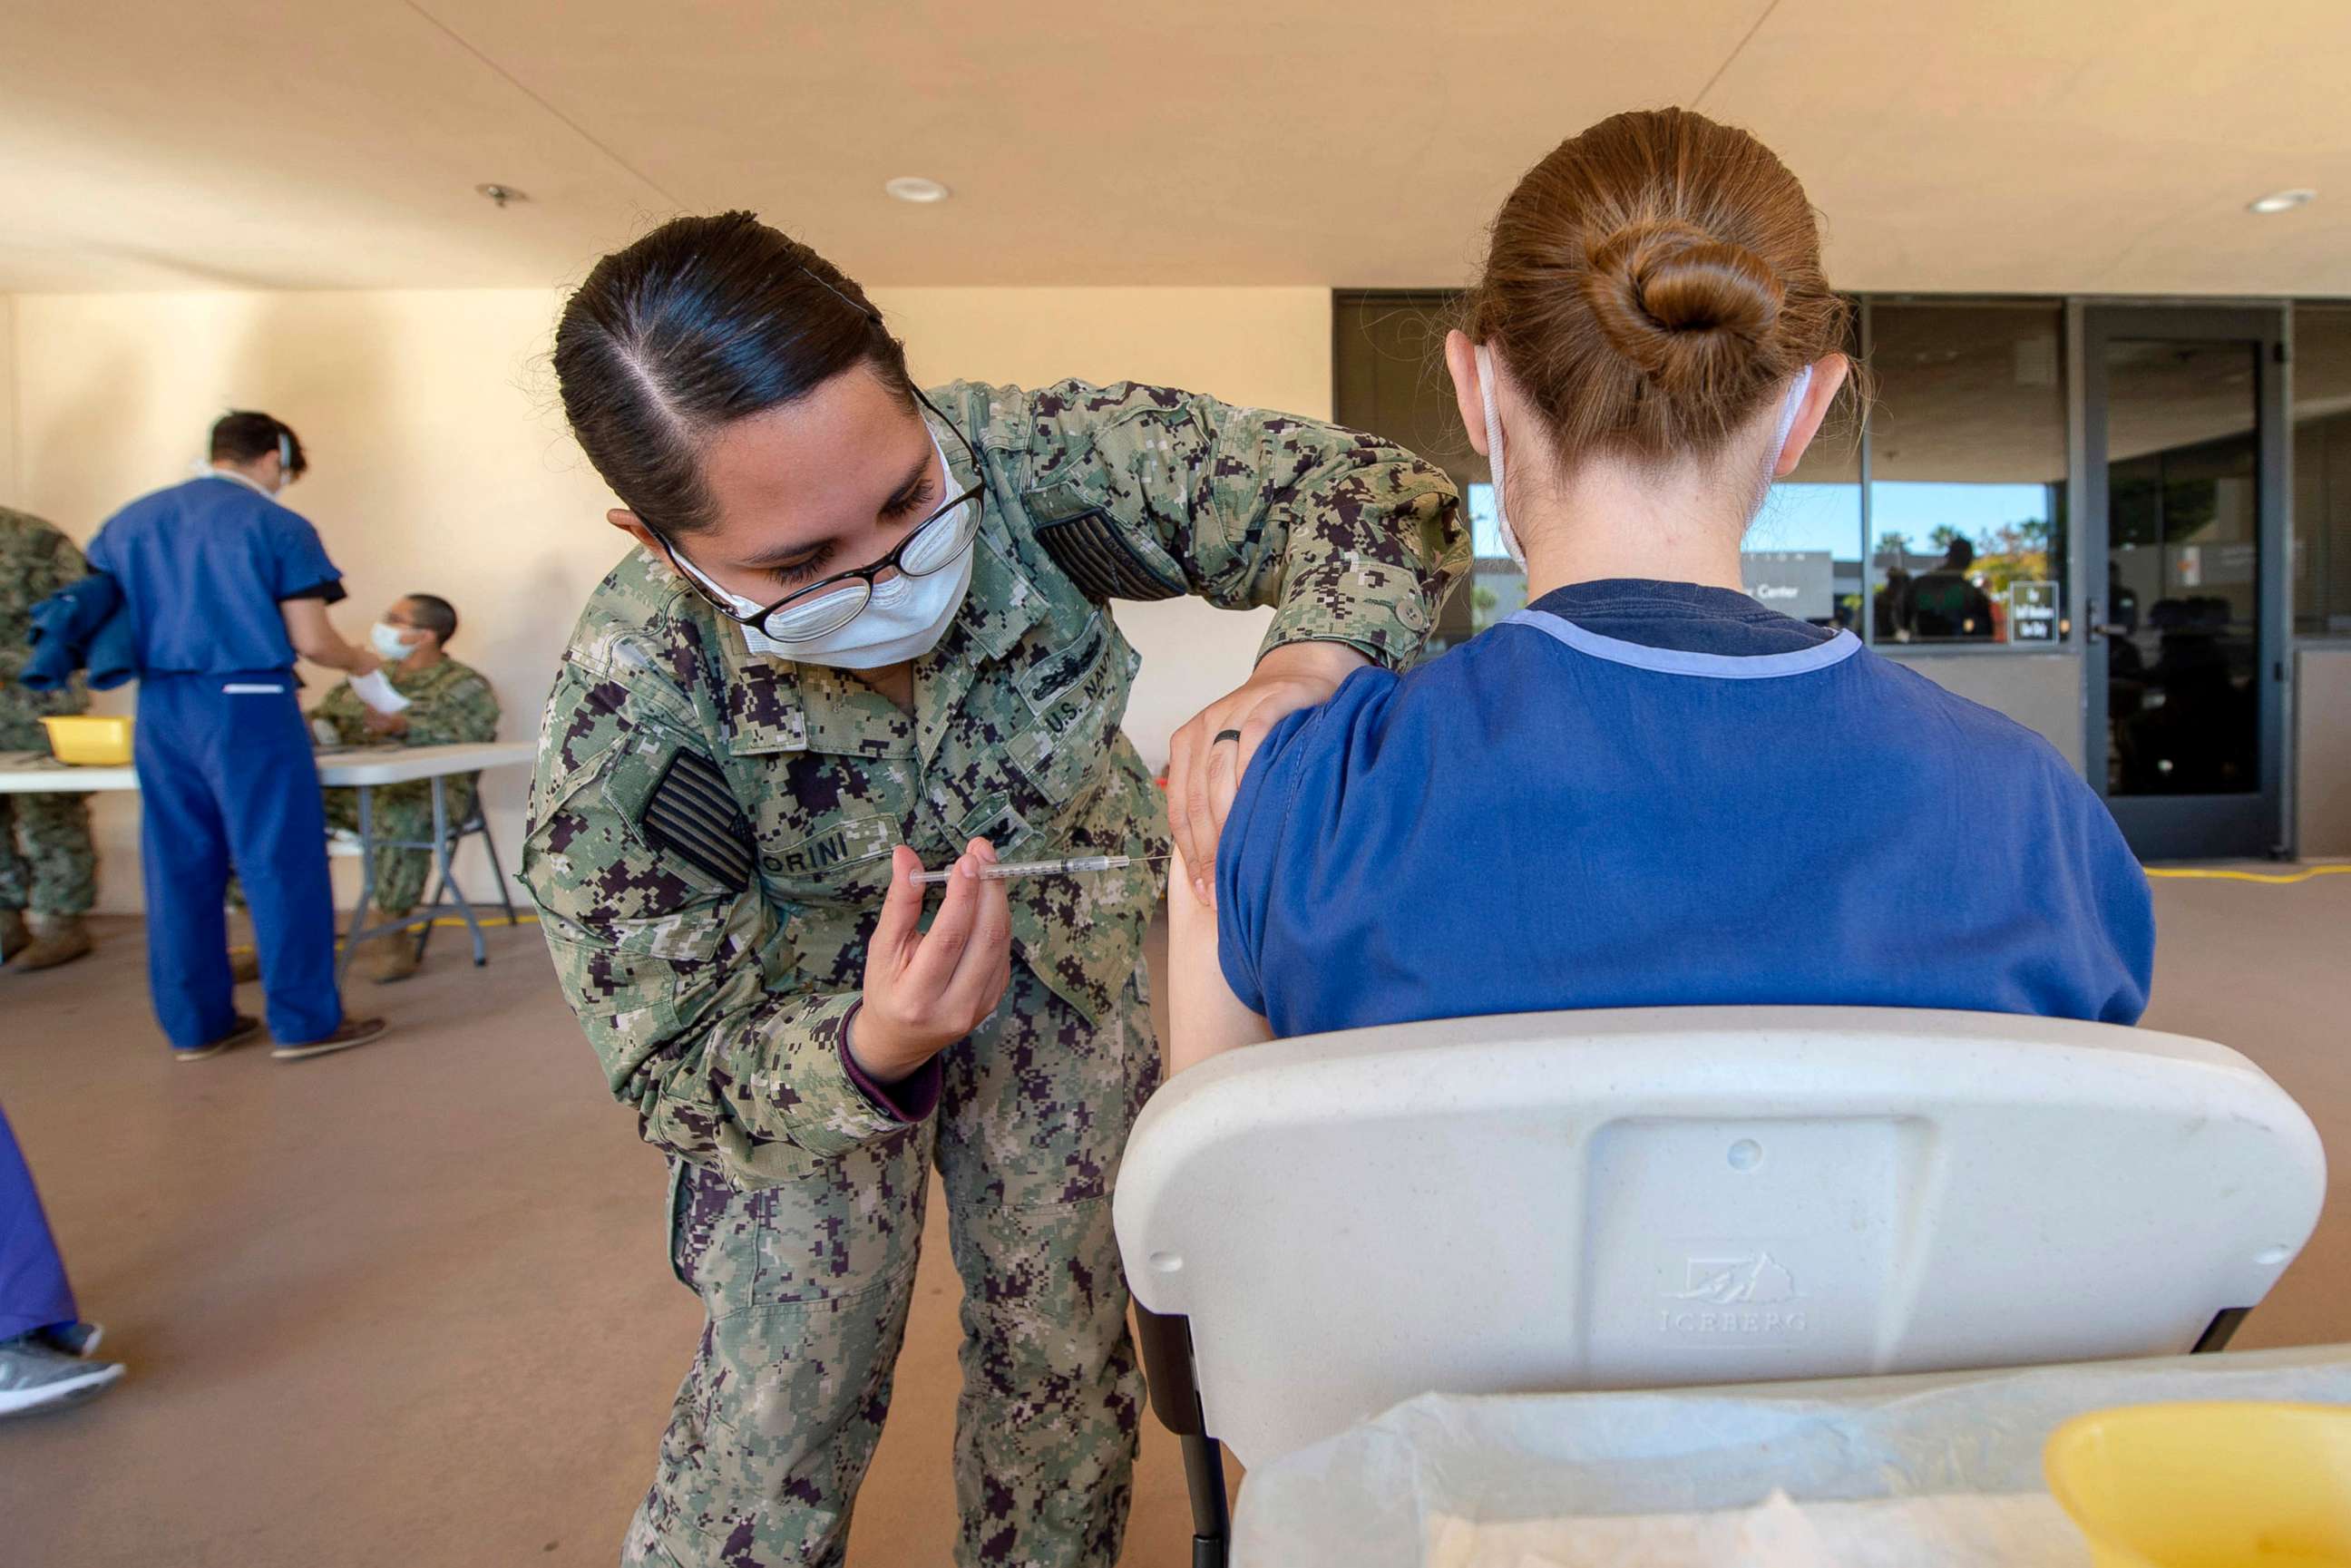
(1968, 475)
(2322, 470)
(1498, 589)
(2183, 567)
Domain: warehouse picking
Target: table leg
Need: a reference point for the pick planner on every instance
(497, 870)
(367, 883)
(440, 849)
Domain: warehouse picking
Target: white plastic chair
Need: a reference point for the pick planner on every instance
(1319, 1229)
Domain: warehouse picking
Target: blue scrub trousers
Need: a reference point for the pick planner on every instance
(226, 778)
(33, 1290)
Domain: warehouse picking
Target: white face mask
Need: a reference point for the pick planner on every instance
(1494, 442)
(904, 619)
(389, 642)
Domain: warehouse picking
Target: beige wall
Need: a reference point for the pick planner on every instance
(2040, 691)
(440, 462)
(7, 400)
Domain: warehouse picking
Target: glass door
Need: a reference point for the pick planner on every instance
(2183, 605)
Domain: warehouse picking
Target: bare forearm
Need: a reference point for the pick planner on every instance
(315, 638)
(337, 654)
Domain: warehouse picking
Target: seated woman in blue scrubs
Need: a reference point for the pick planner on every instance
(1646, 788)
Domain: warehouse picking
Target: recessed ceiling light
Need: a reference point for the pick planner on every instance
(501, 194)
(915, 188)
(2280, 201)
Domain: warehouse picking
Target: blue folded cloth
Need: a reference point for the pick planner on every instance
(84, 626)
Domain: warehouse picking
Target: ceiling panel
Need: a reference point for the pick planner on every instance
(246, 144)
(2003, 145)
(1216, 141)
(2092, 145)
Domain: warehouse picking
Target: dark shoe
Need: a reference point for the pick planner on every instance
(397, 962)
(244, 965)
(355, 1031)
(244, 1029)
(57, 939)
(15, 934)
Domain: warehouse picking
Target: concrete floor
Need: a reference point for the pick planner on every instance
(408, 1305)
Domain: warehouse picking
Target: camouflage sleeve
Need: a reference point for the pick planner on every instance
(59, 567)
(341, 708)
(658, 931)
(467, 712)
(36, 562)
(1349, 537)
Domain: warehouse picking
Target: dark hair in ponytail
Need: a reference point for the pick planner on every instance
(704, 321)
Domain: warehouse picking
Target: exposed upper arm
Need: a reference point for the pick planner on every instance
(1203, 1016)
(307, 626)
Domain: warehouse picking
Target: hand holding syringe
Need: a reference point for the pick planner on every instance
(926, 990)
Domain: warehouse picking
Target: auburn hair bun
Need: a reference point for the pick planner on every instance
(1651, 282)
(1689, 311)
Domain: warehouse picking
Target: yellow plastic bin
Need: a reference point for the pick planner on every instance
(2208, 1485)
(90, 740)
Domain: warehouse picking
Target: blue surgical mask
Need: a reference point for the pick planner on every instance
(389, 642)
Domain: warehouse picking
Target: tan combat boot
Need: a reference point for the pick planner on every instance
(57, 939)
(397, 962)
(15, 934)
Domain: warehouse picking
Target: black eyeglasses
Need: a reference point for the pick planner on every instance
(825, 607)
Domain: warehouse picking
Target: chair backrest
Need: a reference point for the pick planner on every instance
(1667, 1197)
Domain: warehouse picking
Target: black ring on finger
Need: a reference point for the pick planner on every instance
(1225, 735)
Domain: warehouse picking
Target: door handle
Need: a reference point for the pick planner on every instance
(2094, 628)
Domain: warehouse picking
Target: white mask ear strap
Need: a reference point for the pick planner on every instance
(1788, 419)
(1493, 418)
(1494, 456)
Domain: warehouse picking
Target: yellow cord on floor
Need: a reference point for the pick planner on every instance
(487, 920)
(2273, 879)
(522, 919)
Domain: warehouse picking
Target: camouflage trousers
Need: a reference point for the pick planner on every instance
(47, 862)
(806, 1288)
(400, 811)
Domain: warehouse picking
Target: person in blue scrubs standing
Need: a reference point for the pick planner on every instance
(225, 587)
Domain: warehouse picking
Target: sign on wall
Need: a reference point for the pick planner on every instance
(1797, 583)
(2033, 613)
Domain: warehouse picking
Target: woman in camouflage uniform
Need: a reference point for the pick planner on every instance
(735, 780)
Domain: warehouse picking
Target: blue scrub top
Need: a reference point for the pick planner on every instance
(204, 567)
(1643, 794)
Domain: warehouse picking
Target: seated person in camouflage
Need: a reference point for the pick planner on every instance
(449, 702)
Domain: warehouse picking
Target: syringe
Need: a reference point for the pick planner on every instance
(1072, 866)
